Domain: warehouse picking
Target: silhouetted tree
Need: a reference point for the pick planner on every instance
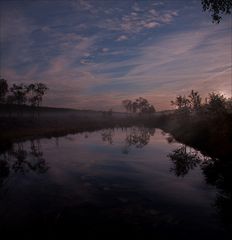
(3, 90)
(217, 8)
(134, 107)
(127, 104)
(216, 103)
(39, 90)
(194, 100)
(229, 105)
(32, 99)
(181, 102)
(18, 96)
(35, 92)
(140, 105)
(143, 106)
(19, 93)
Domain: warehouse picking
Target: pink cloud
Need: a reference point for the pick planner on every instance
(151, 25)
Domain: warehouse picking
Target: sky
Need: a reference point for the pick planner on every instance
(94, 54)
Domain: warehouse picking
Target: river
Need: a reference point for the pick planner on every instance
(135, 182)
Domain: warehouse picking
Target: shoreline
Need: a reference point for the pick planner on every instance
(192, 133)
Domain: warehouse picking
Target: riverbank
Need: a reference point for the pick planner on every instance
(28, 127)
(212, 136)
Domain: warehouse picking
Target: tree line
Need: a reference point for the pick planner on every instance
(204, 123)
(193, 103)
(215, 103)
(22, 94)
(140, 105)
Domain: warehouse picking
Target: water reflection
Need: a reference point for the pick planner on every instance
(184, 159)
(107, 135)
(137, 137)
(90, 182)
(217, 172)
(16, 159)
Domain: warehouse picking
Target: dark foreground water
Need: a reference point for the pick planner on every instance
(134, 183)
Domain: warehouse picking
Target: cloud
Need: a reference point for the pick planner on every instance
(168, 17)
(114, 54)
(83, 5)
(151, 25)
(154, 12)
(45, 29)
(193, 59)
(138, 18)
(122, 38)
(104, 50)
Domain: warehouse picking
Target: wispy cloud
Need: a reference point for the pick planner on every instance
(93, 54)
(196, 59)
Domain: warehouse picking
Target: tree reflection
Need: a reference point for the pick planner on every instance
(217, 172)
(107, 135)
(30, 160)
(183, 159)
(4, 171)
(137, 137)
(18, 160)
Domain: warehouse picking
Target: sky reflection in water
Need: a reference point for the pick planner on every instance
(126, 181)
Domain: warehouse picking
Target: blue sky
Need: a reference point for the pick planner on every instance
(94, 54)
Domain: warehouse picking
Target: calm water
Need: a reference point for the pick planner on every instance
(135, 182)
